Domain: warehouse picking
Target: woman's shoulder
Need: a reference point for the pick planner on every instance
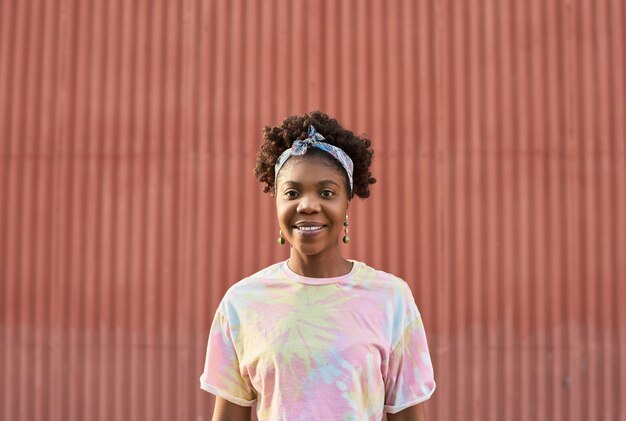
(250, 288)
(392, 293)
(380, 274)
(257, 279)
(384, 279)
(270, 272)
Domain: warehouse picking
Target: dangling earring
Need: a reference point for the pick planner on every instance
(281, 239)
(346, 239)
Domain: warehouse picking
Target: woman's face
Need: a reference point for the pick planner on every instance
(311, 204)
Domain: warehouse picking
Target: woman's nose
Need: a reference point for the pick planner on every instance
(309, 204)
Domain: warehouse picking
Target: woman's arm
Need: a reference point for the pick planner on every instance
(227, 411)
(412, 413)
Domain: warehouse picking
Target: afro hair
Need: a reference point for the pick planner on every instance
(295, 127)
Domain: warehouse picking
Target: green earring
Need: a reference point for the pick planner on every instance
(281, 239)
(346, 239)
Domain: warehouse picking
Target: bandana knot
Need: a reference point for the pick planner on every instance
(314, 140)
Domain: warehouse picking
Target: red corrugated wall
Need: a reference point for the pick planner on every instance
(128, 132)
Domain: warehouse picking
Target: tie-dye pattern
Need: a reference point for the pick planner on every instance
(344, 348)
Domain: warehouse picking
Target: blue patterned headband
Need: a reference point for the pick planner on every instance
(299, 147)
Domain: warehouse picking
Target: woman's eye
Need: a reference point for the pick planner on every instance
(327, 193)
(291, 193)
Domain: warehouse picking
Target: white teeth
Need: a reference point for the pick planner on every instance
(309, 228)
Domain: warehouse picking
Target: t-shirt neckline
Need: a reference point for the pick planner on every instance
(356, 265)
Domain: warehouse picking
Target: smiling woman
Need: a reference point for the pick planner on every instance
(312, 206)
(317, 336)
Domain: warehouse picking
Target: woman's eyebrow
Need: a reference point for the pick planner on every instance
(327, 182)
(319, 183)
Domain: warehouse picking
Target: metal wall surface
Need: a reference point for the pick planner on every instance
(128, 131)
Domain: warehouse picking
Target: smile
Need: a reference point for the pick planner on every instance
(311, 228)
(308, 230)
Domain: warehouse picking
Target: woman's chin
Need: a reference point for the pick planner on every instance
(313, 249)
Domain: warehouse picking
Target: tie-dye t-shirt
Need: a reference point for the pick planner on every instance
(343, 348)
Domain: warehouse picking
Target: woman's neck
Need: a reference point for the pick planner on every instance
(319, 266)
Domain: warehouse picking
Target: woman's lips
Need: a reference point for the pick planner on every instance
(308, 231)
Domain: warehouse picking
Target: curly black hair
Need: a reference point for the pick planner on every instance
(279, 138)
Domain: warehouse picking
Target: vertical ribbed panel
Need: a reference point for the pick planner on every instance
(128, 132)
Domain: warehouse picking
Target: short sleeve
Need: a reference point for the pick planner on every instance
(222, 374)
(410, 378)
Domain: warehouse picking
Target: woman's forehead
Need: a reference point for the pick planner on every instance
(310, 168)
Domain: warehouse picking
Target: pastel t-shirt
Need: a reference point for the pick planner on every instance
(342, 348)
